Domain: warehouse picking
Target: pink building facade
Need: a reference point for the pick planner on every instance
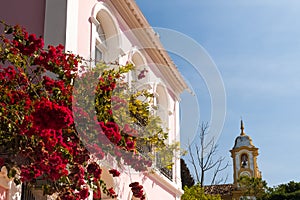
(110, 30)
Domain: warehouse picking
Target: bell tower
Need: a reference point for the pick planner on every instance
(244, 155)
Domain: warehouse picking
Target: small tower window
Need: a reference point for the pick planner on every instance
(244, 160)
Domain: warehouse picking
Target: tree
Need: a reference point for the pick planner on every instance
(196, 192)
(202, 157)
(56, 129)
(186, 177)
(258, 188)
(288, 187)
(288, 191)
(252, 186)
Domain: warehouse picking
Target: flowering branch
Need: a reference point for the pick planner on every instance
(52, 128)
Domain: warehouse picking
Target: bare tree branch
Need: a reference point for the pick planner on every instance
(218, 169)
(202, 157)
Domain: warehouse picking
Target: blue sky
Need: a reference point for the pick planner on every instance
(256, 47)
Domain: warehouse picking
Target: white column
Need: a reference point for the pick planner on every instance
(177, 139)
(72, 26)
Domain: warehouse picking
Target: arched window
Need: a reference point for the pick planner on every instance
(105, 37)
(140, 74)
(162, 104)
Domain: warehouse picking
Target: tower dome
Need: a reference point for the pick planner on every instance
(243, 140)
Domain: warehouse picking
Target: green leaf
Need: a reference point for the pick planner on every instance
(12, 172)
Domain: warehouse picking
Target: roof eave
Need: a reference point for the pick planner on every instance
(134, 18)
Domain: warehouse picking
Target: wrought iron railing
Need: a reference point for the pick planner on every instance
(27, 193)
(143, 148)
(161, 166)
(167, 172)
(146, 150)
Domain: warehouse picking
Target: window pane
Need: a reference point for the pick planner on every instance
(98, 55)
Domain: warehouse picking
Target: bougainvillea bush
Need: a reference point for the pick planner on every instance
(60, 117)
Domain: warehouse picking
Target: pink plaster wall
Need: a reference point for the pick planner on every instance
(84, 27)
(31, 14)
(3, 193)
(156, 190)
(28, 13)
(152, 188)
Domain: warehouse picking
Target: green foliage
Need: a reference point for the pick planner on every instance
(258, 188)
(253, 186)
(288, 188)
(196, 192)
(132, 109)
(186, 177)
(289, 191)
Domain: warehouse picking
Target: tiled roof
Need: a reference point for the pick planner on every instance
(224, 189)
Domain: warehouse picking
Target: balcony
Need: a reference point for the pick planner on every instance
(145, 149)
(166, 171)
(27, 193)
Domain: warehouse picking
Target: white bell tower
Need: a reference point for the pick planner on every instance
(244, 155)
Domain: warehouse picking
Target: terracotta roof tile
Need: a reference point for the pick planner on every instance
(224, 189)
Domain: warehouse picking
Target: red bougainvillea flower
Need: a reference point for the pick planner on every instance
(49, 115)
(95, 170)
(84, 193)
(111, 130)
(114, 172)
(112, 192)
(130, 144)
(2, 161)
(137, 190)
(97, 194)
(36, 113)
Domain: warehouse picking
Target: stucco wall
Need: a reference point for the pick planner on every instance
(29, 13)
(78, 38)
(152, 188)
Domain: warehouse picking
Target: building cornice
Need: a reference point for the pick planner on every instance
(135, 20)
(172, 187)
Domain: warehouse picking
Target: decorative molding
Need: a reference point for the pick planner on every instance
(172, 187)
(148, 38)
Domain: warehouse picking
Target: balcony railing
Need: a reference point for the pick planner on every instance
(145, 149)
(166, 172)
(27, 193)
